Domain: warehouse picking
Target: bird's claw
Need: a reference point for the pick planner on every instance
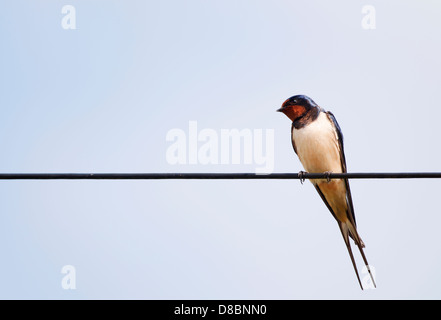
(302, 176)
(328, 175)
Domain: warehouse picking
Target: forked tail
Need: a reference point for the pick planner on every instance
(347, 229)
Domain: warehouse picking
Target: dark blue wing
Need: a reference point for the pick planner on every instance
(351, 214)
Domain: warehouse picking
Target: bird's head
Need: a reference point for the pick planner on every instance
(297, 106)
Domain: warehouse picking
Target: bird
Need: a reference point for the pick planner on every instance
(318, 142)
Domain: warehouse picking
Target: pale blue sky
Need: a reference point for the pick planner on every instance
(102, 98)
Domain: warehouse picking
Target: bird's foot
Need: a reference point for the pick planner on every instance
(302, 176)
(328, 175)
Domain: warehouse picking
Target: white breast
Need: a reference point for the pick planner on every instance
(317, 145)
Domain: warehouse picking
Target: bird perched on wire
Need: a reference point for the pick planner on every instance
(318, 141)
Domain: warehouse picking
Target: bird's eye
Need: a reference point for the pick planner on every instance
(294, 101)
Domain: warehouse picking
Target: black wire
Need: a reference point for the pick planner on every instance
(222, 176)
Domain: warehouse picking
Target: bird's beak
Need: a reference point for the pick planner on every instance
(280, 109)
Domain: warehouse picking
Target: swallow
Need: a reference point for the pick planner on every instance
(318, 142)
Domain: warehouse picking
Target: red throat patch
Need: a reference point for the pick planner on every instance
(293, 112)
